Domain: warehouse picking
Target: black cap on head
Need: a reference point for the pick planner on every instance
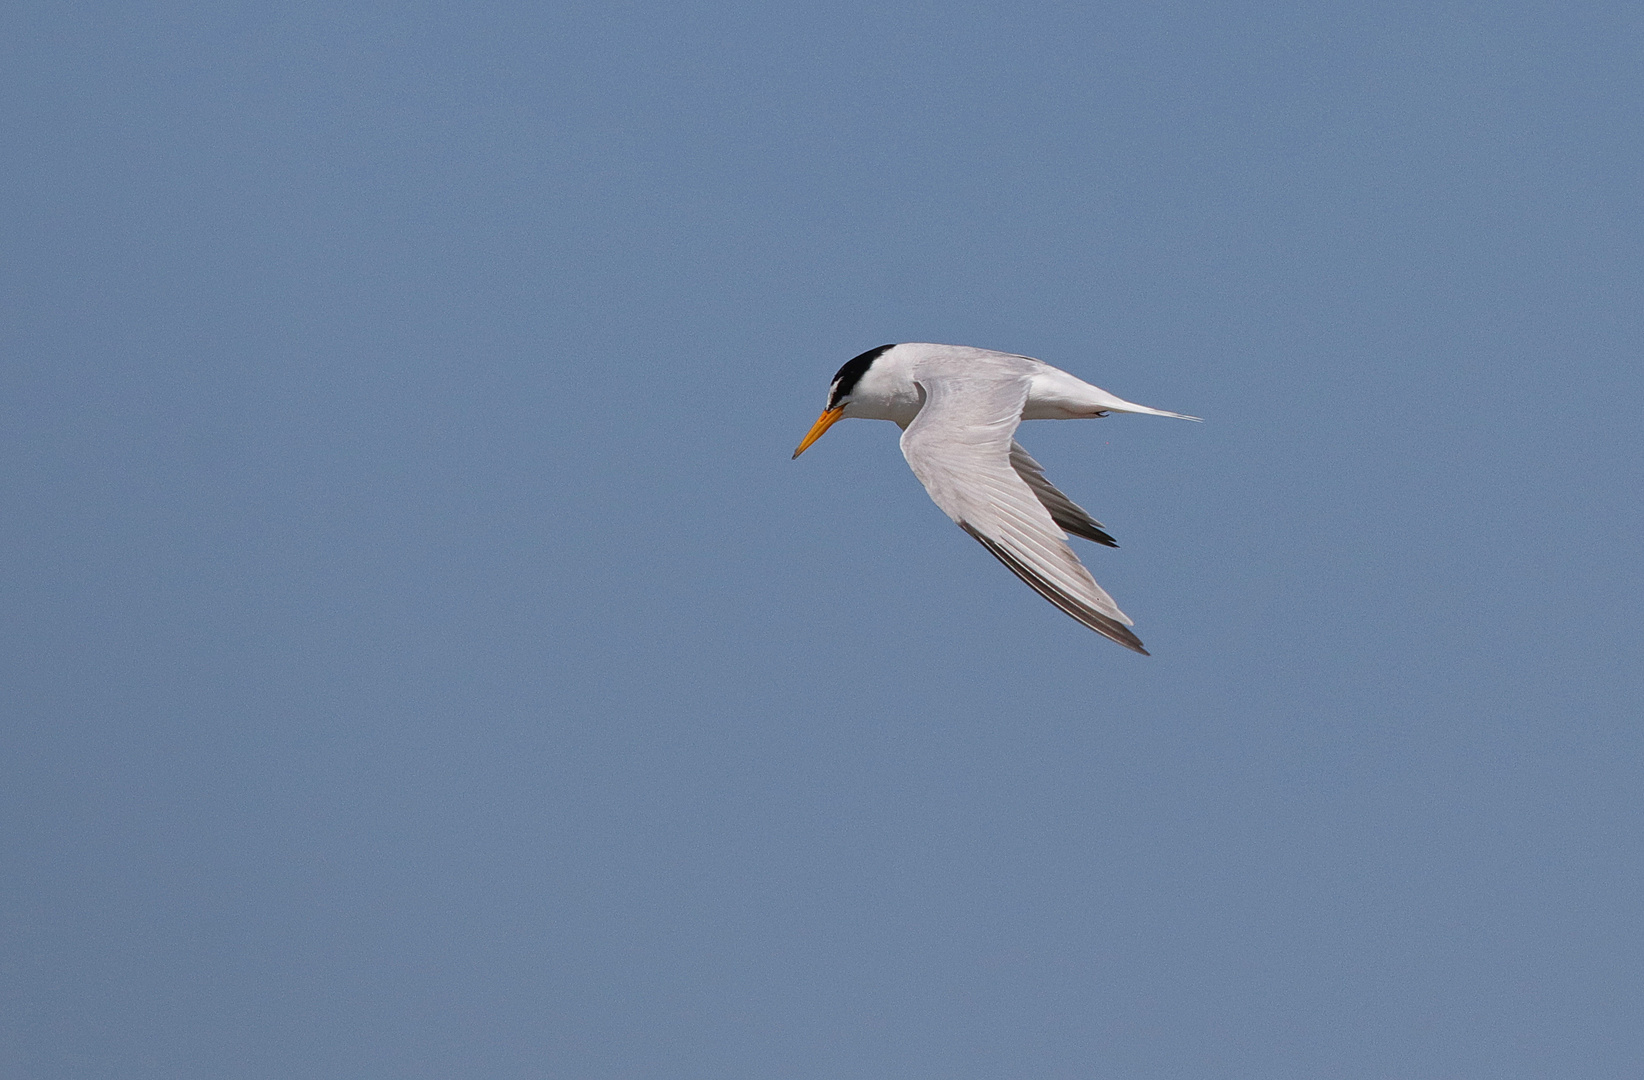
(857, 366)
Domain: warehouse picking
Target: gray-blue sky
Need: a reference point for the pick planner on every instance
(423, 660)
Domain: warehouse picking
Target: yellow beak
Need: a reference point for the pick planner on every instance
(823, 423)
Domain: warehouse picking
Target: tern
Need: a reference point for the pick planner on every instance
(958, 408)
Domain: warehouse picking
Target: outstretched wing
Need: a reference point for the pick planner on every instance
(1063, 510)
(959, 447)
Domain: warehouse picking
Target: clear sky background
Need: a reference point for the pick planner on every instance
(422, 660)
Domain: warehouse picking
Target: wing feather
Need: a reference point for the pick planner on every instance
(960, 446)
(1063, 511)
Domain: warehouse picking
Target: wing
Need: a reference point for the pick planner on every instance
(1063, 510)
(959, 446)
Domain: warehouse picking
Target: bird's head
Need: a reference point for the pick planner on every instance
(839, 395)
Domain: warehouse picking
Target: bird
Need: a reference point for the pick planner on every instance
(958, 408)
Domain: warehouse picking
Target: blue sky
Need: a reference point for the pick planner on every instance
(423, 660)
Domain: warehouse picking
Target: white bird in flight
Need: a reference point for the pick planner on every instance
(958, 409)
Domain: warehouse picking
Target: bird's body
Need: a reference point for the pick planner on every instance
(958, 408)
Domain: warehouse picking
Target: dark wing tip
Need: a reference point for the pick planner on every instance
(1086, 529)
(1069, 515)
(1112, 629)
